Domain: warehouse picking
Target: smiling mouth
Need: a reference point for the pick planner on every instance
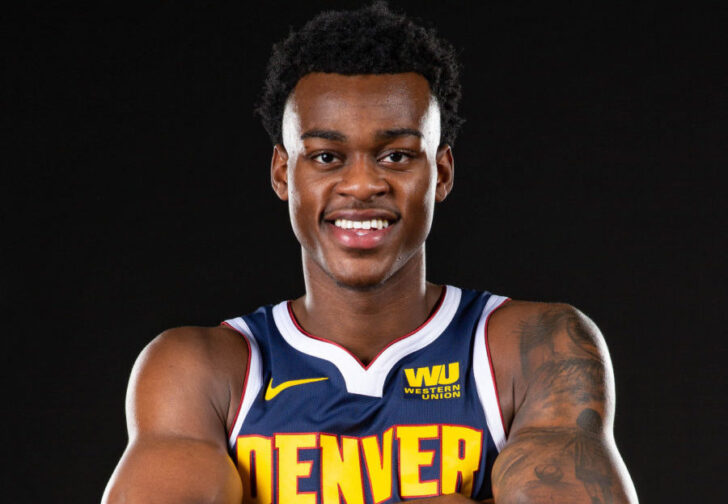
(360, 234)
(362, 224)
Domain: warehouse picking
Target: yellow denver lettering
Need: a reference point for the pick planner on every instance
(453, 464)
(340, 471)
(379, 465)
(411, 459)
(257, 476)
(290, 469)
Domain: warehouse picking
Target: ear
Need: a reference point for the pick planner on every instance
(279, 171)
(445, 172)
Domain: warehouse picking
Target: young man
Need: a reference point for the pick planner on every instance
(375, 385)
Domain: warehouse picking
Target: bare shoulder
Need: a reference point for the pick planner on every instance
(522, 324)
(189, 366)
(205, 349)
(515, 313)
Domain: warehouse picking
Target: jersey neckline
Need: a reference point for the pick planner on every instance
(368, 380)
(432, 315)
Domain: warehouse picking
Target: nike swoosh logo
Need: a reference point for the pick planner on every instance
(272, 391)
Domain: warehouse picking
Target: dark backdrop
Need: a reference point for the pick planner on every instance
(137, 188)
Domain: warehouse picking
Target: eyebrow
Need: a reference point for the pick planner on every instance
(325, 134)
(340, 137)
(397, 132)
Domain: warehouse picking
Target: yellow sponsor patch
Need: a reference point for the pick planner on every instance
(434, 382)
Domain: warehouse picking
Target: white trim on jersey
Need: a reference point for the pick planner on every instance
(368, 381)
(484, 379)
(254, 377)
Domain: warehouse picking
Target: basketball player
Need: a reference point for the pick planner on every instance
(375, 385)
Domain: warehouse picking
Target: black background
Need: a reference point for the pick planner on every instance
(138, 197)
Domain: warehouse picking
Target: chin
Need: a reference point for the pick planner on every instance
(359, 286)
(360, 277)
(359, 282)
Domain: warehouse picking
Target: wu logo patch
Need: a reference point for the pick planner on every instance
(434, 382)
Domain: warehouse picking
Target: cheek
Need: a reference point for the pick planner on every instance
(304, 204)
(298, 187)
(428, 190)
(296, 206)
(423, 204)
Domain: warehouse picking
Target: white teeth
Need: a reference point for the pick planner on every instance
(367, 224)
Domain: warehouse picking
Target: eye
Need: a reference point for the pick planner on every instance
(324, 158)
(397, 157)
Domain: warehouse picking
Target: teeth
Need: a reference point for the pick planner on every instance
(367, 224)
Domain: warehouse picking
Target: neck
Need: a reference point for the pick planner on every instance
(364, 321)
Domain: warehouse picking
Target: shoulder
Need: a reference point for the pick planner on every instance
(187, 367)
(523, 324)
(193, 343)
(553, 319)
(194, 351)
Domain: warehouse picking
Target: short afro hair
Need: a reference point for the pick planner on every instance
(370, 40)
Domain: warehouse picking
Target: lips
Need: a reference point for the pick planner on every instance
(362, 239)
(361, 215)
(362, 229)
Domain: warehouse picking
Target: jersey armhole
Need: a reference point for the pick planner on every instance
(485, 374)
(253, 381)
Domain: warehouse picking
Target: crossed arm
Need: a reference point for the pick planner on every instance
(177, 407)
(560, 447)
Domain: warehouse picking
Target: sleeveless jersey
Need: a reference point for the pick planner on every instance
(315, 426)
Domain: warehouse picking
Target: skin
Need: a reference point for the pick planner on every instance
(370, 143)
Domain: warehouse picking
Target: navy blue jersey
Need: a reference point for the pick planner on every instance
(317, 426)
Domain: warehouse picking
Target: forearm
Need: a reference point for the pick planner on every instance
(174, 471)
(451, 499)
(560, 465)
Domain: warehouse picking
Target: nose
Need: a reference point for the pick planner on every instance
(362, 179)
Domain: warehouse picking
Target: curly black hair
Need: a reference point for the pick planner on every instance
(370, 40)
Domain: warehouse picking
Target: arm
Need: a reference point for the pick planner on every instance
(177, 409)
(560, 447)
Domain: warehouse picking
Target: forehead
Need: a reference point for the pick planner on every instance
(345, 102)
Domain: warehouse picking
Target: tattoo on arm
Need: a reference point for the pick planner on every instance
(538, 333)
(569, 369)
(567, 461)
(564, 463)
(591, 463)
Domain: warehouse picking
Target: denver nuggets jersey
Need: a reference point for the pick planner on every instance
(315, 426)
